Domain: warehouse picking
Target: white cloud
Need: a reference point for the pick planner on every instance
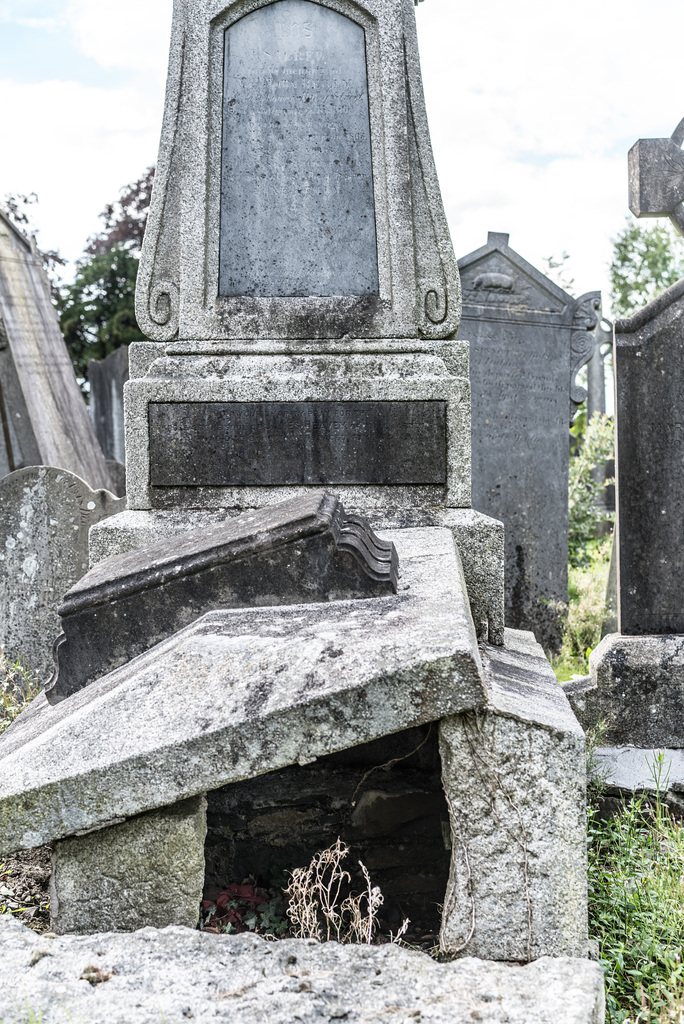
(532, 109)
(75, 146)
(132, 34)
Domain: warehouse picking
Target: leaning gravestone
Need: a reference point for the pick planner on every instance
(43, 418)
(45, 516)
(528, 339)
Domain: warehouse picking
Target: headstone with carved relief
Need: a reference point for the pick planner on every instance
(528, 339)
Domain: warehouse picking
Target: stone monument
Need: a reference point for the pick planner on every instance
(528, 340)
(45, 516)
(43, 418)
(637, 674)
(301, 296)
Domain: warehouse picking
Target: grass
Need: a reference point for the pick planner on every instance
(585, 614)
(17, 690)
(636, 907)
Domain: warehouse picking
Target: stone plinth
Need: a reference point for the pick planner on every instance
(636, 689)
(245, 431)
(146, 871)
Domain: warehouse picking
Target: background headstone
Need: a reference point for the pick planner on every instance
(649, 373)
(43, 416)
(107, 378)
(45, 515)
(528, 339)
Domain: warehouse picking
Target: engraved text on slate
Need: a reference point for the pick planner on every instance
(234, 444)
(297, 206)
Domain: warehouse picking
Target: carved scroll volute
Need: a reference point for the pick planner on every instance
(438, 283)
(586, 315)
(157, 291)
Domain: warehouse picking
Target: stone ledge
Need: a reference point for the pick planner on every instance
(177, 974)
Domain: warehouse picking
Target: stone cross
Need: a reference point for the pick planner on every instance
(656, 178)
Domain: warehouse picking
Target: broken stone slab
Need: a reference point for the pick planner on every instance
(636, 689)
(45, 516)
(148, 870)
(242, 692)
(177, 974)
(305, 549)
(629, 771)
(515, 778)
(479, 539)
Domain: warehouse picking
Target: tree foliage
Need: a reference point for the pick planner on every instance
(97, 311)
(646, 261)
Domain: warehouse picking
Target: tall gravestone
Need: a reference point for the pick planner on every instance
(43, 418)
(637, 673)
(528, 339)
(299, 285)
(45, 516)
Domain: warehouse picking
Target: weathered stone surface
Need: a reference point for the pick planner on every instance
(515, 778)
(479, 539)
(303, 550)
(148, 870)
(628, 770)
(241, 693)
(649, 375)
(400, 384)
(528, 339)
(107, 378)
(316, 279)
(45, 515)
(480, 543)
(43, 418)
(656, 178)
(176, 974)
(238, 444)
(637, 689)
(297, 209)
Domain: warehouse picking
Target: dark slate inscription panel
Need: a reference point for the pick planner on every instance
(649, 372)
(234, 444)
(297, 206)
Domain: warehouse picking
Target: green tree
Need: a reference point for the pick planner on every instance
(646, 261)
(97, 311)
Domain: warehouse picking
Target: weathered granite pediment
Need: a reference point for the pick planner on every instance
(496, 276)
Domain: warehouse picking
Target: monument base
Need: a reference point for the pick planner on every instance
(636, 689)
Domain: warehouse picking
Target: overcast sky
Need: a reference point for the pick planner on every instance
(533, 106)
